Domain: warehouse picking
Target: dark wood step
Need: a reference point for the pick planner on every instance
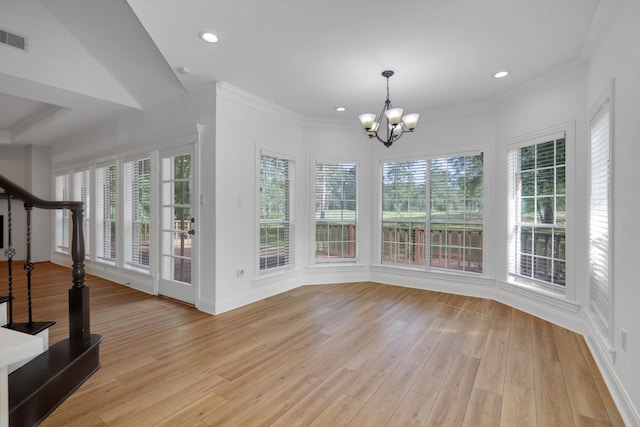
(38, 387)
(33, 328)
(4, 299)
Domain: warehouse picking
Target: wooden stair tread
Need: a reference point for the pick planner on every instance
(4, 299)
(33, 328)
(38, 387)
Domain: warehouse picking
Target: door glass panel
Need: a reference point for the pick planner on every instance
(176, 219)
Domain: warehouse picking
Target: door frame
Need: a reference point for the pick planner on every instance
(193, 149)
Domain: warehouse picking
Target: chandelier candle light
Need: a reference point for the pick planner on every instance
(396, 123)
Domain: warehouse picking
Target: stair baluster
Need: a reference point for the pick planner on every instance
(9, 252)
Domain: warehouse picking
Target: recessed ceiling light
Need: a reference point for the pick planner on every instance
(341, 109)
(501, 74)
(208, 37)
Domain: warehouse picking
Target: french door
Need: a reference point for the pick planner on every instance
(177, 225)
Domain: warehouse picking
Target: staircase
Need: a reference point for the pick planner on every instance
(37, 385)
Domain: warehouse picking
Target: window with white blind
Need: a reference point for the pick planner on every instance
(276, 213)
(336, 211)
(137, 212)
(82, 192)
(105, 214)
(456, 190)
(62, 215)
(537, 182)
(599, 214)
(404, 212)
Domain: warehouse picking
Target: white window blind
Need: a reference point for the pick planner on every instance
(137, 212)
(62, 215)
(404, 207)
(599, 214)
(456, 185)
(81, 192)
(538, 209)
(276, 213)
(336, 211)
(105, 214)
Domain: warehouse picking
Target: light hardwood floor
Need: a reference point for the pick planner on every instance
(358, 354)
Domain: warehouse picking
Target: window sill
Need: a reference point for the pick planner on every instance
(539, 294)
(441, 274)
(273, 277)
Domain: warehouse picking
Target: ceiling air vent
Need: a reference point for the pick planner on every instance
(12, 39)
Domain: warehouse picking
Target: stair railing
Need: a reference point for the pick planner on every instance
(79, 313)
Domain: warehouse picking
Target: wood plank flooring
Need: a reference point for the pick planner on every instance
(356, 354)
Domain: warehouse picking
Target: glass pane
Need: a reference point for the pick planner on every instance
(543, 242)
(526, 240)
(559, 272)
(560, 180)
(545, 210)
(545, 184)
(559, 244)
(473, 261)
(560, 151)
(546, 154)
(542, 269)
(528, 181)
(526, 263)
(182, 193)
(528, 157)
(527, 212)
(473, 210)
(561, 210)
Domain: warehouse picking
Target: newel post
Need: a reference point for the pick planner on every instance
(79, 318)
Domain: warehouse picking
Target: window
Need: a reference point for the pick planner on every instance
(81, 185)
(538, 209)
(276, 213)
(105, 214)
(336, 211)
(404, 212)
(456, 213)
(137, 212)
(62, 215)
(599, 214)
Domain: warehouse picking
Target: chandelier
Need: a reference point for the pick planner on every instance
(395, 123)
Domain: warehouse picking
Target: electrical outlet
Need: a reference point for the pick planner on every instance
(623, 339)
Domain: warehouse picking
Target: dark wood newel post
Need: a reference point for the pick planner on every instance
(79, 318)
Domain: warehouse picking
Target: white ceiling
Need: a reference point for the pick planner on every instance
(88, 60)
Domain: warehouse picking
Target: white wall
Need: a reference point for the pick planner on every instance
(245, 125)
(619, 58)
(13, 161)
(29, 167)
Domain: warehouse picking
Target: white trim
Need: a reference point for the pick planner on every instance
(601, 23)
(338, 159)
(541, 295)
(568, 132)
(624, 404)
(233, 93)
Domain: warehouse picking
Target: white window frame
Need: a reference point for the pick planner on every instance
(62, 219)
(568, 291)
(290, 223)
(128, 223)
(78, 195)
(99, 219)
(352, 231)
(427, 265)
